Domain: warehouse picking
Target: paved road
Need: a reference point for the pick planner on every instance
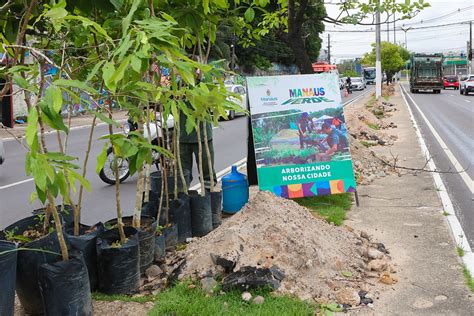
(452, 116)
(99, 204)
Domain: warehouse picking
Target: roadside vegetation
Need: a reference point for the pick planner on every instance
(331, 207)
(469, 279)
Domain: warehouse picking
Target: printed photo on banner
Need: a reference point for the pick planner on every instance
(300, 135)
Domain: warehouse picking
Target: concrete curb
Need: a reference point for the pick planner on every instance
(456, 228)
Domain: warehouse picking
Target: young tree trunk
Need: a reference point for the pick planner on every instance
(201, 172)
(59, 227)
(178, 158)
(137, 213)
(117, 185)
(209, 158)
(175, 164)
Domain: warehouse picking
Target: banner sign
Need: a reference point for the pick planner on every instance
(300, 136)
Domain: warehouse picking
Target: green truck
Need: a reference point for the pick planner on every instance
(426, 72)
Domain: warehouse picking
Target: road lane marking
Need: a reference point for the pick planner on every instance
(15, 183)
(454, 223)
(464, 176)
(467, 101)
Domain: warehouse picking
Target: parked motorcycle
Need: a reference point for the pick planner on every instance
(107, 173)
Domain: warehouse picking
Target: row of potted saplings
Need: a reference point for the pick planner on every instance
(30, 258)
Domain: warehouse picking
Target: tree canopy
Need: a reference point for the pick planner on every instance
(393, 58)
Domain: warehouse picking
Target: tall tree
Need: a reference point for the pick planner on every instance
(393, 58)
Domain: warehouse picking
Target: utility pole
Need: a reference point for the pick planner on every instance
(329, 48)
(469, 53)
(232, 57)
(394, 31)
(378, 64)
(388, 28)
(405, 30)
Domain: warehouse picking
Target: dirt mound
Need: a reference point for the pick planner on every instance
(304, 255)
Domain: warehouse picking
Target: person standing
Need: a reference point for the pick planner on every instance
(303, 128)
(349, 84)
(189, 148)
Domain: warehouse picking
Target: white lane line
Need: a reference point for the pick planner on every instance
(357, 97)
(456, 228)
(15, 183)
(464, 176)
(240, 164)
(467, 101)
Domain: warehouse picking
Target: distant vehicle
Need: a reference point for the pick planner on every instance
(451, 82)
(426, 72)
(240, 90)
(369, 75)
(342, 84)
(324, 67)
(467, 85)
(358, 83)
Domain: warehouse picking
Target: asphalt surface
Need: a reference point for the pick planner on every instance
(452, 116)
(230, 146)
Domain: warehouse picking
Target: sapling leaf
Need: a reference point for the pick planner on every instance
(101, 159)
(347, 274)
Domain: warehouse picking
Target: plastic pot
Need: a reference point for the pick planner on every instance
(64, 287)
(86, 242)
(171, 235)
(216, 206)
(7, 277)
(180, 214)
(160, 247)
(201, 213)
(156, 182)
(118, 267)
(28, 263)
(145, 238)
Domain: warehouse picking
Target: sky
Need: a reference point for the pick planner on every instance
(433, 39)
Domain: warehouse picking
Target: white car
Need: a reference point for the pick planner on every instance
(358, 83)
(240, 90)
(466, 85)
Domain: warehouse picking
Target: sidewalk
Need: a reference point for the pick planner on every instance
(405, 213)
(79, 121)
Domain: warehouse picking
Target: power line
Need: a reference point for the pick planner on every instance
(399, 28)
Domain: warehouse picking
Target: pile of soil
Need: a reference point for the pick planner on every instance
(318, 261)
(368, 125)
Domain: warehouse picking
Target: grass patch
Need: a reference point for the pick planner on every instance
(460, 251)
(386, 97)
(373, 126)
(378, 113)
(332, 207)
(468, 277)
(371, 102)
(366, 143)
(446, 213)
(124, 298)
(182, 300)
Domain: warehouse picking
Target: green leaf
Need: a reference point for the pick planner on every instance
(86, 22)
(107, 72)
(104, 118)
(120, 71)
(205, 6)
(32, 127)
(249, 14)
(128, 19)
(117, 4)
(56, 14)
(54, 98)
(94, 70)
(71, 83)
(347, 274)
(60, 156)
(21, 82)
(81, 179)
(101, 158)
(136, 64)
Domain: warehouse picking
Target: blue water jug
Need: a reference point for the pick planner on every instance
(235, 191)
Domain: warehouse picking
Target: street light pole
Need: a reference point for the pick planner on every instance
(378, 64)
(406, 30)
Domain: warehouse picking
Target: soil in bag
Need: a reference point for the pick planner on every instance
(171, 235)
(86, 242)
(118, 266)
(180, 214)
(29, 231)
(64, 287)
(201, 213)
(160, 247)
(146, 235)
(8, 256)
(67, 214)
(216, 206)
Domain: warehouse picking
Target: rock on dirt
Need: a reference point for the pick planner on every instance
(348, 296)
(277, 239)
(153, 272)
(208, 284)
(258, 300)
(378, 265)
(246, 296)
